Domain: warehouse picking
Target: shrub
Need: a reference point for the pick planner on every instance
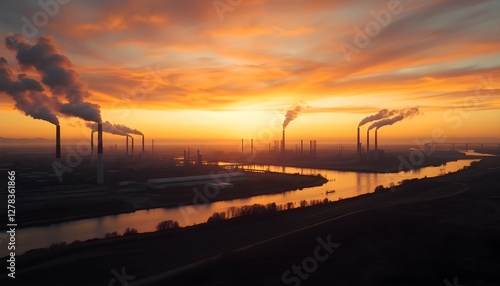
(111, 234)
(167, 225)
(130, 231)
(57, 245)
(216, 217)
(303, 203)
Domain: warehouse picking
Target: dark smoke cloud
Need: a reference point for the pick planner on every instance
(117, 129)
(291, 115)
(384, 113)
(28, 95)
(107, 127)
(57, 73)
(404, 113)
(128, 129)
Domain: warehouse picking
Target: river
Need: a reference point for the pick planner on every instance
(346, 185)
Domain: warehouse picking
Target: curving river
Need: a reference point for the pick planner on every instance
(345, 184)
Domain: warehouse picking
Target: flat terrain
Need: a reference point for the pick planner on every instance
(58, 203)
(422, 233)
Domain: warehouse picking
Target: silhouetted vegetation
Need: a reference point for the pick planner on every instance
(167, 225)
(111, 234)
(379, 188)
(216, 217)
(260, 210)
(130, 231)
(57, 245)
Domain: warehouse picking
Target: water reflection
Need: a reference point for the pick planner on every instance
(345, 184)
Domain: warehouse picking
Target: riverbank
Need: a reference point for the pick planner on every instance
(420, 233)
(39, 209)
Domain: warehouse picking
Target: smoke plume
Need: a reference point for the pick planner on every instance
(128, 129)
(28, 94)
(384, 113)
(404, 113)
(291, 115)
(107, 127)
(57, 73)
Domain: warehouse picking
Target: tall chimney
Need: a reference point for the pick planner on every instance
(251, 146)
(368, 145)
(152, 146)
(91, 146)
(132, 145)
(58, 143)
(301, 148)
(283, 142)
(126, 145)
(143, 146)
(100, 163)
(188, 157)
(241, 147)
(376, 145)
(358, 147)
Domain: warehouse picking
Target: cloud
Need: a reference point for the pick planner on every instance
(433, 50)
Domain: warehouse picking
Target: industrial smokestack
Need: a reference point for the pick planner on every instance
(132, 150)
(126, 146)
(143, 145)
(358, 146)
(376, 140)
(310, 148)
(251, 146)
(301, 148)
(92, 146)
(368, 145)
(241, 147)
(58, 142)
(100, 163)
(152, 146)
(283, 142)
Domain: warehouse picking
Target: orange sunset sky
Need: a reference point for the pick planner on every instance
(195, 70)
